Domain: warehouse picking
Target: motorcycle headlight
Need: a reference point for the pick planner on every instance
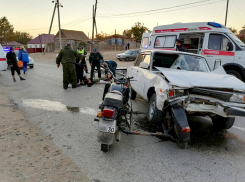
(237, 98)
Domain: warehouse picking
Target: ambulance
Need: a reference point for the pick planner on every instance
(3, 60)
(212, 40)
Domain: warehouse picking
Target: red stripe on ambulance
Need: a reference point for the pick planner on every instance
(171, 30)
(2, 59)
(217, 52)
(205, 28)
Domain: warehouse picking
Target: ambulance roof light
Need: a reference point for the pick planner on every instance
(217, 25)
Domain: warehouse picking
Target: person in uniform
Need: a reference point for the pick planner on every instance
(12, 62)
(180, 46)
(94, 59)
(112, 66)
(67, 57)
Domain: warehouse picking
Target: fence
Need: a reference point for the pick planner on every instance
(34, 50)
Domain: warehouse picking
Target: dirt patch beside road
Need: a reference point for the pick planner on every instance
(26, 154)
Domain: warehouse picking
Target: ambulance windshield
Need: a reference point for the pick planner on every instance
(236, 39)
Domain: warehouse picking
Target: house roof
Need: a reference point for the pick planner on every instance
(73, 35)
(13, 43)
(42, 38)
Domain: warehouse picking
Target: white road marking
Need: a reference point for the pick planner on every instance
(243, 129)
(55, 106)
(100, 88)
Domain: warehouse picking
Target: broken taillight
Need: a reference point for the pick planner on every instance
(171, 93)
(108, 113)
(186, 129)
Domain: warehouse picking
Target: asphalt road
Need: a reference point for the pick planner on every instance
(66, 117)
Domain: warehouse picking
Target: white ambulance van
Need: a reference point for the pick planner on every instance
(212, 40)
(3, 60)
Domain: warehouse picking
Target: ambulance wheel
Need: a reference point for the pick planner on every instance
(132, 93)
(234, 73)
(104, 148)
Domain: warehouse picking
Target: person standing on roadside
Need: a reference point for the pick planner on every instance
(12, 62)
(128, 45)
(94, 60)
(67, 57)
(24, 57)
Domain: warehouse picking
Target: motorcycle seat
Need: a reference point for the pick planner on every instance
(114, 99)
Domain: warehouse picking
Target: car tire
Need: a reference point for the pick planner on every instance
(234, 73)
(106, 89)
(127, 59)
(31, 67)
(120, 59)
(132, 93)
(154, 114)
(223, 123)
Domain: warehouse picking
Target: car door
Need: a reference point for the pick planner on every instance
(134, 71)
(143, 76)
(218, 50)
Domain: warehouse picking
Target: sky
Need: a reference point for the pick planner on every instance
(34, 16)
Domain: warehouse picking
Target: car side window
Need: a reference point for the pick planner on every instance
(139, 59)
(219, 42)
(147, 59)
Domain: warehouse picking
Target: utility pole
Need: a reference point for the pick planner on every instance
(46, 45)
(115, 40)
(226, 11)
(58, 5)
(40, 42)
(92, 30)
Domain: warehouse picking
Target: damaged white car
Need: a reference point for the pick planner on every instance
(179, 83)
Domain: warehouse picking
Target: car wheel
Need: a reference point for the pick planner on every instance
(120, 59)
(234, 73)
(132, 94)
(223, 123)
(31, 66)
(154, 114)
(106, 89)
(127, 59)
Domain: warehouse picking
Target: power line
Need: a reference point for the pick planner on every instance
(160, 12)
(140, 12)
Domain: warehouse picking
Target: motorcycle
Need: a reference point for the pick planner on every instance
(116, 112)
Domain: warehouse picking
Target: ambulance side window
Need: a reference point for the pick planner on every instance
(219, 42)
(214, 41)
(165, 41)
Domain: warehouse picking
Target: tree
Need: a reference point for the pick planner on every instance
(22, 37)
(233, 30)
(6, 30)
(101, 36)
(137, 31)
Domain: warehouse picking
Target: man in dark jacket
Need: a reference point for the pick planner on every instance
(112, 66)
(94, 60)
(67, 57)
(180, 46)
(12, 62)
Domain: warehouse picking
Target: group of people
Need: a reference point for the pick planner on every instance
(74, 64)
(127, 45)
(13, 64)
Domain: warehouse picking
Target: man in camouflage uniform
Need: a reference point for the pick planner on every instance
(67, 57)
